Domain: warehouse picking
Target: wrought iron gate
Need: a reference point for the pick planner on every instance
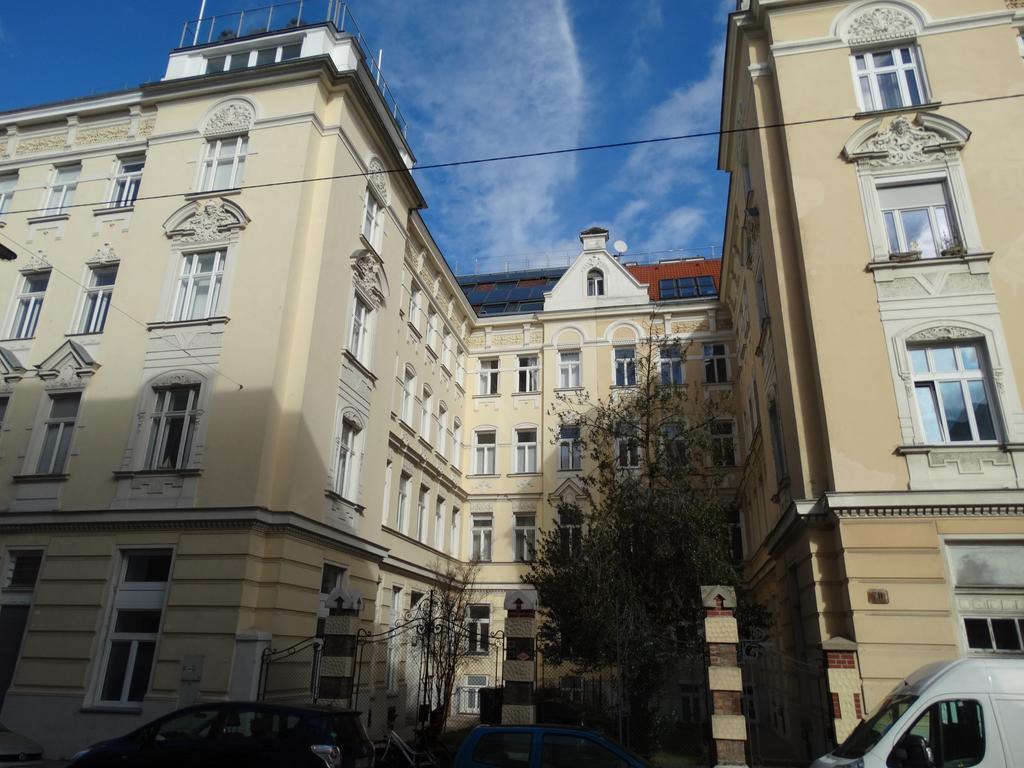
(292, 673)
(785, 701)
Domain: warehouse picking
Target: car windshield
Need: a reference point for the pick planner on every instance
(869, 732)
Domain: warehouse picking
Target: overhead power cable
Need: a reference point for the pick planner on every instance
(531, 155)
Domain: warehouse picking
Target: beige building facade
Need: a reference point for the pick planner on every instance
(872, 267)
(234, 404)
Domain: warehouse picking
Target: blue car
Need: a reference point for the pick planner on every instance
(541, 746)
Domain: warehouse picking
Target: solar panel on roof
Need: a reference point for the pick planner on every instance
(518, 294)
(499, 294)
(536, 293)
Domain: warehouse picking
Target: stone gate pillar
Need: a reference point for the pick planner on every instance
(337, 656)
(725, 680)
(844, 685)
(519, 667)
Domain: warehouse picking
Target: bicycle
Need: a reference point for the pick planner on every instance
(395, 752)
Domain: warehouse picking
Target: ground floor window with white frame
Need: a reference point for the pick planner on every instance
(130, 648)
(987, 585)
(469, 701)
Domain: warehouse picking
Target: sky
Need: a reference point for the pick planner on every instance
(475, 78)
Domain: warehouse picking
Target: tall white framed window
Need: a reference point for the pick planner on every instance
(402, 509)
(130, 647)
(469, 701)
(58, 430)
(442, 429)
(408, 394)
(671, 360)
(453, 544)
(359, 335)
(61, 193)
(439, 508)
(625, 366)
(456, 457)
(488, 376)
(627, 447)
(448, 351)
(570, 451)
(127, 182)
(478, 625)
(223, 165)
(482, 532)
(97, 300)
(8, 182)
(199, 285)
(172, 427)
(415, 301)
(432, 329)
(388, 470)
(723, 442)
(525, 535)
(569, 369)
(345, 469)
(426, 404)
(528, 373)
(30, 304)
(526, 450)
(460, 370)
(372, 213)
(918, 218)
(485, 452)
(716, 364)
(953, 393)
(595, 283)
(888, 79)
(422, 503)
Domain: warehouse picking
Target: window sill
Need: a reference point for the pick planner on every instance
(568, 389)
(83, 335)
(718, 385)
(425, 443)
(973, 445)
(186, 472)
(431, 352)
(874, 266)
(216, 320)
(212, 193)
(414, 329)
(369, 246)
(493, 396)
(531, 393)
(565, 469)
(335, 496)
(475, 475)
(17, 338)
(112, 210)
(407, 427)
(526, 474)
(926, 107)
(111, 709)
(360, 366)
(48, 219)
(56, 478)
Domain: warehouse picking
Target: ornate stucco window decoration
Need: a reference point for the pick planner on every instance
(221, 167)
(371, 291)
(344, 478)
(11, 370)
(204, 237)
(376, 199)
(70, 366)
(916, 203)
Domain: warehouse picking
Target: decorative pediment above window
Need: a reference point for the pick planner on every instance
(206, 221)
(568, 492)
(180, 378)
(943, 333)
(377, 175)
(36, 263)
(11, 369)
(904, 142)
(69, 366)
(370, 278)
(105, 256)
(230, 118)
(875, 25)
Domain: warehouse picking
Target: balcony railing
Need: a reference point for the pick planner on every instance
(292, 15)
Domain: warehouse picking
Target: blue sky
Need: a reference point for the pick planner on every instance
(475, 78)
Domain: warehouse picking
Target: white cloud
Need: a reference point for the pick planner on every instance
(677, 228)
(492, 90)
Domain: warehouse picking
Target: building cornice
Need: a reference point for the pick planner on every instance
(108, 102)
(256, 519)
(954, 503)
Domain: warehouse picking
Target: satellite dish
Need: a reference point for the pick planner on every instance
(620, 246)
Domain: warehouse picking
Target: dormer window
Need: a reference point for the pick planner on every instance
(595, 283)
(888, 79)
(230, 62)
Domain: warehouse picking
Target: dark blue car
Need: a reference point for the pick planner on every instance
(541, 746)
(238, 734)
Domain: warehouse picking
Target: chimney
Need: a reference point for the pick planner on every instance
(594, 239)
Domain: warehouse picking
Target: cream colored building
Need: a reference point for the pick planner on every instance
(228, 399)
(872, 267)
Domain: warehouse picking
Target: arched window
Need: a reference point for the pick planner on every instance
(595, 283)
(408, 393)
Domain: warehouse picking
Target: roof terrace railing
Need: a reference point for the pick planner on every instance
(291, 15)
(540, 260)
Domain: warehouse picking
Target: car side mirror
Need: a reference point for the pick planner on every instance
(912, 751)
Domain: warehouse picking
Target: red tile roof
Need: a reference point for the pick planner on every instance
(652, 273)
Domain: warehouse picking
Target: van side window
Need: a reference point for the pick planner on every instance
(952, 731)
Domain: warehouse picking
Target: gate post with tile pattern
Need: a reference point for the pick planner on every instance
(844, 685)
(725, 679)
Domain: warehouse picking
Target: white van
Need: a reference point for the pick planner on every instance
(953, 714)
